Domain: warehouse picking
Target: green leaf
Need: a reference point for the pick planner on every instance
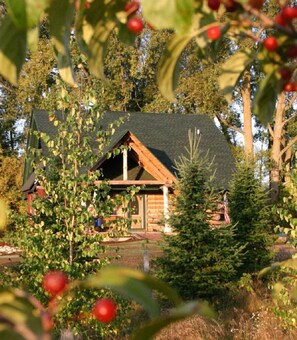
(232, 69)
(32, 39)
(94, 31)
(169, 14)
(168, 70)
(203, 16)
(268, 270)
(65, 68)
(34, 11)
(180, 313)
(60, 17)
(291, 263)
(12, 50)
(126, 36)
(265, 99)
(134, 284)
(26, 13)
(98, 48)
(17, 11)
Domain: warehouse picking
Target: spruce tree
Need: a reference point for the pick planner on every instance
(198, 260)
(250, 211)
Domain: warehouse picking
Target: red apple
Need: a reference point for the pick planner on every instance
(214, 4)
(214, 33)
(104, 310)
(256, 3)
(135, 25)
(55, 282)
(271, 43)
(289, 13)
(280, 20)
(132, 7)
(87, 5)
(289, 87)
(230, 5)
(292, 52)
(285, 73)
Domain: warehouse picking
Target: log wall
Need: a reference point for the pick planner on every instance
(155, 212)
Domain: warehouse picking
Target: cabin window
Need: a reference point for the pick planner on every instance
(134, 206)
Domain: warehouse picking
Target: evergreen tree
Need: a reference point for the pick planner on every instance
(200, 261)
(250, 211)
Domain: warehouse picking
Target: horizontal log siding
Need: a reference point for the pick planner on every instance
(155, 212)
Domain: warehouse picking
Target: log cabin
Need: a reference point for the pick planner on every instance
(154, 141)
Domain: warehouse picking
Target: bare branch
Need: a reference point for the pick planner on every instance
(223, 121)
(268, 22)
(291, 101)
(289, 145)
(270, 130)
(7, 88)
(294, 115)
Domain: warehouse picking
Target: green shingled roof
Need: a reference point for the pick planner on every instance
(166, 136)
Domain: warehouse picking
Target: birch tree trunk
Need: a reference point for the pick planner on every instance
(247, 115)
(275, 177)
(287, 166)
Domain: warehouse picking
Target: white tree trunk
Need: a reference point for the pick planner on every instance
(247, 115)
(276, 160)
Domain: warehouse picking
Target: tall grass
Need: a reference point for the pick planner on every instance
(250, 318)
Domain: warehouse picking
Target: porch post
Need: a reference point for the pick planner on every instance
(167, 228)
(125, 165)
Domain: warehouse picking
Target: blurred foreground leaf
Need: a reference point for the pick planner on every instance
(12, 50)
(134, 284)
(168, 67)
(169, 14)
(232, 69)
(291, 264)
(61, 14)
(20, 316)
(140, 287)
(265, 99)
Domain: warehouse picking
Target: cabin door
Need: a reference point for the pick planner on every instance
(137, 212)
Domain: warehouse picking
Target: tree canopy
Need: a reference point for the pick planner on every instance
(93, 22)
